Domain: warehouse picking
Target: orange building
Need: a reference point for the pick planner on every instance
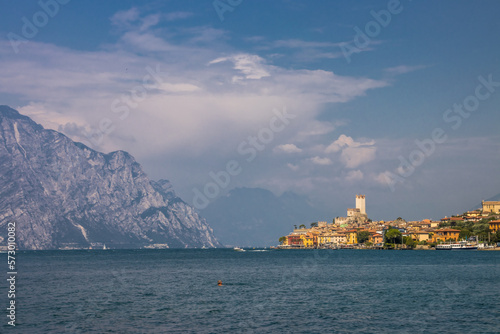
(376, 238)
(445, 234)
(294, 240)
(495, 225)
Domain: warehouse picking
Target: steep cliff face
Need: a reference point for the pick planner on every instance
(64, 194)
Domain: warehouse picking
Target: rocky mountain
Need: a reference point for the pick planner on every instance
(257, 217)
(62, 194)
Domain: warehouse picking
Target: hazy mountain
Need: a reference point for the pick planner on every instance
(256, 217)
(494, 198)
(64, 194)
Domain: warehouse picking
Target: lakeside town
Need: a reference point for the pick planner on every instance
(477, 229)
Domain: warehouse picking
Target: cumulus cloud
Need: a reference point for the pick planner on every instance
(173, 102)
(353, 157)
(354, 175)
(317, 128)
(320, 161)
(287, 148)
(383, 178)
(125, 18)
(353, 153)
(345, 141)
(252, 66)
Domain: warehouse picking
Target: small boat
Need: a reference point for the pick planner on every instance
(238, 249)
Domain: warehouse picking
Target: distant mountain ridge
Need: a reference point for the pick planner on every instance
(256, 217)
(62, 194)
(494, 198)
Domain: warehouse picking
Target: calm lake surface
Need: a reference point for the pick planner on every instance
(294, 291)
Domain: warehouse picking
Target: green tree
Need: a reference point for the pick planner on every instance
(464, 234)
(314, 224)
(409, 242)
(302, 226)
(282, 240)
(363, 236)
(393, 235)
(495, 237)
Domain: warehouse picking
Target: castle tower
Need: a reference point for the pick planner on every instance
(360, 203)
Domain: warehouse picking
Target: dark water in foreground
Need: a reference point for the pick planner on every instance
(174, 291)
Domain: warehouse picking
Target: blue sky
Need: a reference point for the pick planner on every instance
(214, 84)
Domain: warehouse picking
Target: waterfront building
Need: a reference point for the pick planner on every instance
(294, 240)
(420, 235)
(309, 239)
(352, 237)
(445, 234)
(376, 238)
(339, 238)
(325, 239)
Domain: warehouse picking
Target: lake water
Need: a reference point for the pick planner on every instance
(294, 291)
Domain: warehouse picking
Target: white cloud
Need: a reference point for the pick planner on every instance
(353, 154)
(195, 113)
(354, 175)
(345, 141)
(149, 21)
(178, 16)
(250, 65)
(317, 128)
(321, 161)
(287, 148)
(125, 18)
(178, 88)
(402, 69)
(383, 178)
(353, 157)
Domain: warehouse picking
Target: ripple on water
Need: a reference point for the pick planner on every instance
(264, 292)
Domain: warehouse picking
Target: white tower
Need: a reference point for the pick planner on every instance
(360, 203)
